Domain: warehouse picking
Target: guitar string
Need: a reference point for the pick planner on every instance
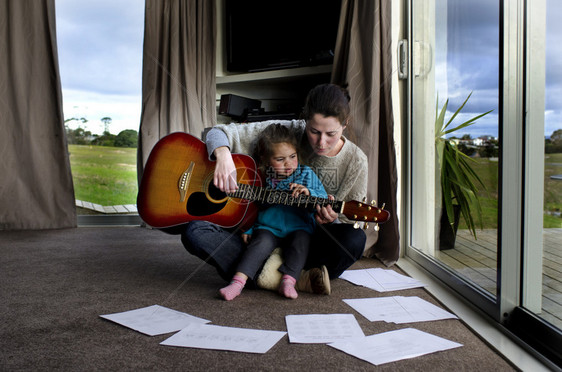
(248, 192)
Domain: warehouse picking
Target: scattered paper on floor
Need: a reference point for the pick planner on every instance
(380, 280)
(398, 309)
(154, 320)
(322, 328)
(206, 336)
(394, 345)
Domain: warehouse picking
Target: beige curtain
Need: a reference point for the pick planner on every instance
(363, 61)
(36, 190)
(178, 81)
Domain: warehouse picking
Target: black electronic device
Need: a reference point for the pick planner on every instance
(268, 35)
(266, 115)
(237, 106)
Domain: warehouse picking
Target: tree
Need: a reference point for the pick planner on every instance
(490, 149)
(106, 139)
(126, 138)
(466, 150)
(554, 144)
(106, 121)
(78, 136)
(556, 137)
(83, 120)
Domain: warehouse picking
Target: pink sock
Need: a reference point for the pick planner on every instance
(233, 290)
(287, 287)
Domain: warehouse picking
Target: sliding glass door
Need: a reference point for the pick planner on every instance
(497, 62)
(456, 55)
(544, 164)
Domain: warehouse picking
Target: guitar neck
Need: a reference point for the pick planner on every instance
(271, 196)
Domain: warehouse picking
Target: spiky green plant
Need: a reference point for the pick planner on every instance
(458, 179)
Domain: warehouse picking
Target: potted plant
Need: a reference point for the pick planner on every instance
(458, 179)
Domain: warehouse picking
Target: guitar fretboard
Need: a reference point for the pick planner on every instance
(270, 196)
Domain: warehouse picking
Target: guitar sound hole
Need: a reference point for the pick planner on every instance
(215, 193)
(199, 205)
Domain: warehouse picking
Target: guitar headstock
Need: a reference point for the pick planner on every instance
(364, 212)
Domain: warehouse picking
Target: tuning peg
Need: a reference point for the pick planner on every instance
(366, 226)
(383, 204)
(365, 199)
(377, 228)
(373, 203)
(356, 225)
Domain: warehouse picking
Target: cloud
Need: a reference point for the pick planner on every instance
(100, 57)
(552, 120)
(124, 110)
(100, 45)
(469, 61)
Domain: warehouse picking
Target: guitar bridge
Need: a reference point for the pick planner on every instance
(183, 182)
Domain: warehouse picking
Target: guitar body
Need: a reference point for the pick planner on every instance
(177, 186)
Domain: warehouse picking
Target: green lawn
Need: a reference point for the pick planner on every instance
(104, 175)
(552, 189)
(488, 171)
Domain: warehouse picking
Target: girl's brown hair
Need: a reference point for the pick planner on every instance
(271, 135)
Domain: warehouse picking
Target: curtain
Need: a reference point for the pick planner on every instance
(363, 62)
(36, 190)
(178, 80)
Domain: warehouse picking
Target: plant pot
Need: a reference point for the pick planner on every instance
(448, 233)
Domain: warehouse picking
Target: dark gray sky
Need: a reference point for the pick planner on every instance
(473, 57)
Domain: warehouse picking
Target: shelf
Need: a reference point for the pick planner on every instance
(285, 74)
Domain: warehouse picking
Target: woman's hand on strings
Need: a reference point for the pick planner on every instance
(325, 214)
(225, 170)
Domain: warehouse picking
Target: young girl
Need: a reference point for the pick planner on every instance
(279, 225)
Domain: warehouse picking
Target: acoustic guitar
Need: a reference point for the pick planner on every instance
(177, 187)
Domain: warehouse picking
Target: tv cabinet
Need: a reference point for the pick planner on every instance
(278, 90)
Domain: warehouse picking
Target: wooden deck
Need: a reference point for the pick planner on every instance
(476, 260)
(110, 209)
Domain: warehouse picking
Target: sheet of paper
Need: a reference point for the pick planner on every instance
(398, 309)
(205, 336)
(322, 328)
(380, 280)
(154, 320)
(394, 345)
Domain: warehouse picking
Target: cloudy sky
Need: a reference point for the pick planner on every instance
(100, 56)
(467, 60)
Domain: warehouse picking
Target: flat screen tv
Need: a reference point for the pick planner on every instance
(269, 35)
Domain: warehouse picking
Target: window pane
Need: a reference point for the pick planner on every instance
(543, 264)
(456, 55)
(100, 58)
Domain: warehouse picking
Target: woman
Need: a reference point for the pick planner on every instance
(340, 165)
